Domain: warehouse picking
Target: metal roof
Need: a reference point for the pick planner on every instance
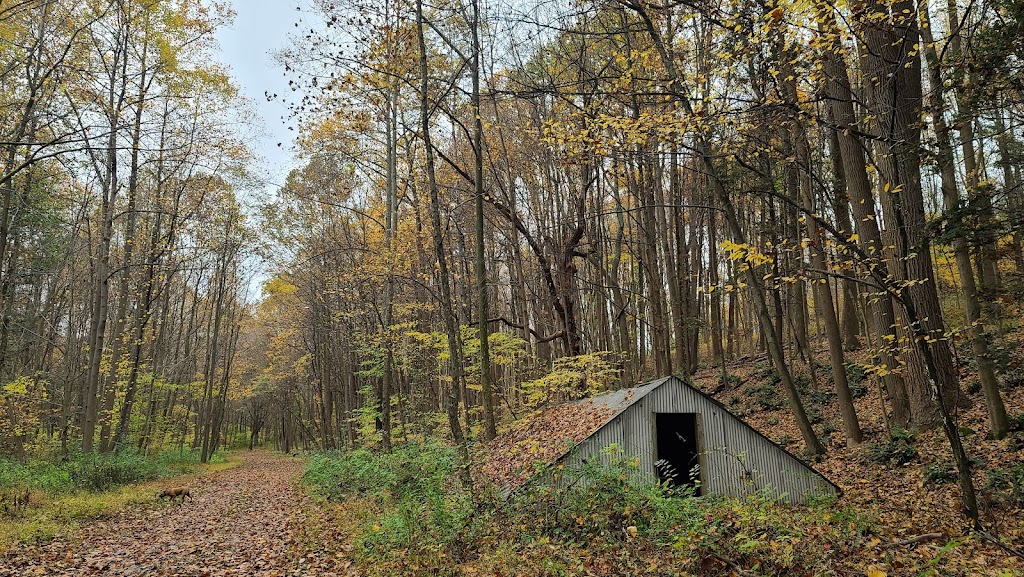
(622, 399)
(625, 398)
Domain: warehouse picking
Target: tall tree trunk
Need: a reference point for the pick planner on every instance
(895, 96)
(490, 428)
(820, 280)
(447, 309)
(880, 315)
(961, 250)
(841, 206)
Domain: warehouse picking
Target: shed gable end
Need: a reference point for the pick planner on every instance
(736, 460)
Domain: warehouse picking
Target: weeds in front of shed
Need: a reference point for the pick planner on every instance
(412, 517)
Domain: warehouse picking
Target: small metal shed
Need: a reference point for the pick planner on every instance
(674, 432)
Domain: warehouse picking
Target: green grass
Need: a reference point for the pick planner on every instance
(93, 471)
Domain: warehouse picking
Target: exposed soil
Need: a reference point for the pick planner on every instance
(242, 521)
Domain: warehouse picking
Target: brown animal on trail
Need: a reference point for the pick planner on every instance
(172, 493)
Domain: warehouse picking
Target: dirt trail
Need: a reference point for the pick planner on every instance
(240, 523)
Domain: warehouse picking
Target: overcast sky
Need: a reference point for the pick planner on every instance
(261, 27)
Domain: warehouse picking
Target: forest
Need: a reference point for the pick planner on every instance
(811, 211)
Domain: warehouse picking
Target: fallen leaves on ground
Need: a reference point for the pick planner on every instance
(901, 497)
(243, 521)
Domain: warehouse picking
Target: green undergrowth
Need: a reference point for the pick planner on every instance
(409, 514)
(67, 492)
(414, 493)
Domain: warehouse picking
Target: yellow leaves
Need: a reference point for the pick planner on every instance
(874, 571)
(572, 377)
(279, 286)
(18, 386)
(745, 253)
(888, 187)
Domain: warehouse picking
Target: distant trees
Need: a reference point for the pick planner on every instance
(121, 241)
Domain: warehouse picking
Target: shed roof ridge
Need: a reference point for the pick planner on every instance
(654, 385)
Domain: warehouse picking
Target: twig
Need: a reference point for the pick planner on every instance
(915, 540)
(998, 543)
(734, 566)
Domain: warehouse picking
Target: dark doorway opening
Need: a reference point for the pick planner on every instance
(678, 449)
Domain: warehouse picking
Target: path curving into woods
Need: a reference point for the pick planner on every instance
(242, 521)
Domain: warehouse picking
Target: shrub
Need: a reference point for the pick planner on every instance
(939, 473)
(828, 427)
(764, 370)
(858, 391)
(802, 382)
(1013, 379)
(814, 414)
(100, 472)
(337, 474)
(900, 450)
(95, 471)
(819, 397)
(418, 498)
(855, 373)
(1015, 442)
(1007, 483)
(730, 381)
(598, 505)
(766, 397)
(857, 377)
(39, 475)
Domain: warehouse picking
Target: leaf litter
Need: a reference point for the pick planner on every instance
(243, 521)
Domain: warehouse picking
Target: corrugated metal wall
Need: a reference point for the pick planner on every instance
(735, 460)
